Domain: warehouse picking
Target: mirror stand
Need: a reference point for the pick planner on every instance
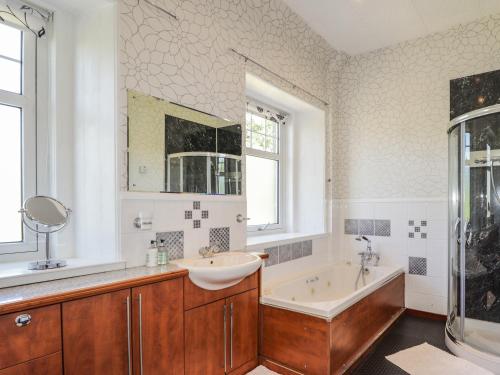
(47, 263)
(45, 215)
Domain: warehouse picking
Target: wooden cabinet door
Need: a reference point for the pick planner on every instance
(243, 328)
(96, 335)
(48, 365)
(204, 339)
(158, 328)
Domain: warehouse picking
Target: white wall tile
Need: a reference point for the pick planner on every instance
(425, 302)
(416, 247)
(437, 210)
(134, 247)
(132, 209)
(437, 230)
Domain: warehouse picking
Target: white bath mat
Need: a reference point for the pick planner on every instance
(262, 370)
(426, 359)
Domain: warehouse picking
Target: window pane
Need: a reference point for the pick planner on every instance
(262, 190)
(11, 42)
(271, 128)
(258, 124)
(259, 141)
(271, 145)
(10, 167)
(10, 76)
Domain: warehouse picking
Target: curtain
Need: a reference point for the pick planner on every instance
(264, 110)
(25, 15)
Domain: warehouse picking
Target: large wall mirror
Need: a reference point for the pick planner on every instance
(175, 149)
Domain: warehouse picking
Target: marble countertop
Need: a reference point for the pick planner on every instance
(44, 293)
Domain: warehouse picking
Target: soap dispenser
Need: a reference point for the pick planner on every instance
(162, 254)
(152, 255)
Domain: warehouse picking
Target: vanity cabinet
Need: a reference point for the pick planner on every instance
(158, 328)
(130, 331)
(28, 338)
(221, 336)
(96, 334)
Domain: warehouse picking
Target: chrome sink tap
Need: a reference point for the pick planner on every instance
(208, 251)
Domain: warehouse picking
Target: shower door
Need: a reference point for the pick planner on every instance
(474, 283)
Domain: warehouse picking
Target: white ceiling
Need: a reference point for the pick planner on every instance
(357, 26)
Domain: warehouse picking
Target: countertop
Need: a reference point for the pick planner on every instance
(49, 292)
(45, 293)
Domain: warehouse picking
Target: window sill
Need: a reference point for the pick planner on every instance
(13, 274)
(268, 240)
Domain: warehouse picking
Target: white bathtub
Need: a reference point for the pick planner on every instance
(328, 290)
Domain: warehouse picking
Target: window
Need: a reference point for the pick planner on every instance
(17, 133)
(264, 169)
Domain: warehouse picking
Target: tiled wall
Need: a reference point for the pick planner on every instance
(286, 252)
(185, 225)
(417, 241)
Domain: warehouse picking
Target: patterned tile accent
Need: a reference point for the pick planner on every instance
(417, 229)
(196, 224)
(417, 266)
(220, 237)
(307, 248)
(296, 250)
(174, 242)
(196, 205)
(285, 253)
(188, 215)
(351, 226)
(273, 256)
(383, 228)
(366, 227)
(204, 214)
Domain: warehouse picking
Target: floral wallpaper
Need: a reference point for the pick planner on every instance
(389, 135)
(188, 60)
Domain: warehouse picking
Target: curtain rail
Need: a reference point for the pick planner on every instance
(279, 76)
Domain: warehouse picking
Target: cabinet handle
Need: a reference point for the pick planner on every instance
(140, 329)
(128, 337)
(225, 339)
(231, 342)
(23, 320)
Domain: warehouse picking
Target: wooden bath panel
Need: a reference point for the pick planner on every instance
(311, 345)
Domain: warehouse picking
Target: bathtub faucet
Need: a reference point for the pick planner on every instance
(368, 254)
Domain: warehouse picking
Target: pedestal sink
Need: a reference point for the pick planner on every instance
(221, 270)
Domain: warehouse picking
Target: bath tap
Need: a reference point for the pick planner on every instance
(368, 254)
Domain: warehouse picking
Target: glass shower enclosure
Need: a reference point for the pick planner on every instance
(473, 325)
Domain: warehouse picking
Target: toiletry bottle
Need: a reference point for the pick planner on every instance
(162, 253)
(152, 255)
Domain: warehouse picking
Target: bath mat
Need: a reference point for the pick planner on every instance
(262, 370)
(426, 359)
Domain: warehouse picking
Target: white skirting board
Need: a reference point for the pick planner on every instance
(426, 359)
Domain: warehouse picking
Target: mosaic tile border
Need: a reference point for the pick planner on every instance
(287, 252)
(367, 227)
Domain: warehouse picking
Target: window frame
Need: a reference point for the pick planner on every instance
(280, 157)
(26, 101)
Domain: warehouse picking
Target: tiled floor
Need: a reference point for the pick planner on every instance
(407, 332)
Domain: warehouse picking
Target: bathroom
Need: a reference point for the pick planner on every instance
(258, 186)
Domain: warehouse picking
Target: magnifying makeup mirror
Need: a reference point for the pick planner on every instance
(45, 215)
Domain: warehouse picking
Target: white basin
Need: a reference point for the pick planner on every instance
(220, 271)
